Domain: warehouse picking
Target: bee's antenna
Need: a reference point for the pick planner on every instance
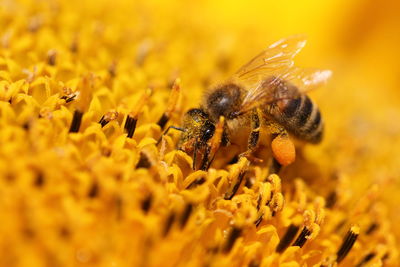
(166, 131)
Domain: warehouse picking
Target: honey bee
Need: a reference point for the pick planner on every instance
(267, 92)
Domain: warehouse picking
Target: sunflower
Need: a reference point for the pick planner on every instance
(87, 89)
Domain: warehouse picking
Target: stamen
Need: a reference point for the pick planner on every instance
(168, 223)
(39, 181)
(172, 103)
(76, 121)
(109, 116)
(51, 57)
(119, 207)
(146, 203)
(254, 263)
(130, 126)
(230, 195)
(302, 238)
(234, 233)
(366, 259)
(348, 243)
(331, 199)
(94, 190)
(131, 120)
(259, 220)
(112, 69)
(163, 120)
(196, 182)
(186, 214)
(372, 228)
(290, 234)
(144, 161)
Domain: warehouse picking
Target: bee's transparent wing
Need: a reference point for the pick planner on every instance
(274, 66)
(306, 79)
(277, 57)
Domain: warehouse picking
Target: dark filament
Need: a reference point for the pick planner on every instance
(94, 190)
(372, 228)
(163, 120)
(233, 235)
(168, 223)
(290, 234)
(366, 259)
(331, 200)
(347, 244)
(76, 122)
(235, 187)
(196, 182)
(302, 238)
(186, 214)
(39, 181)
(130, 126)
(144, 161)
(146, 203)
(103, 122)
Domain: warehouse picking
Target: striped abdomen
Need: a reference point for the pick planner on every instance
(301, 117)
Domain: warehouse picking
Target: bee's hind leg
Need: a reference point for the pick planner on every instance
(283, 150)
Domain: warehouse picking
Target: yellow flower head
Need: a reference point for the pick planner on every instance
(87, 178)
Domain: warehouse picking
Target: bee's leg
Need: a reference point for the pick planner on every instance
(196, 148)
(206, 161)
(211, 150)
(254, 134)
(283, 150)
(166, 131)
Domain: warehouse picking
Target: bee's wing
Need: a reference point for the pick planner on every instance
(272, 66)
(306, 79)
(277, 57)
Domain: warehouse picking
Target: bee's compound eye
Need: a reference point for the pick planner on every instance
(208, 131)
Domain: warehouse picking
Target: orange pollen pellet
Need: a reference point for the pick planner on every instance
(283, 150)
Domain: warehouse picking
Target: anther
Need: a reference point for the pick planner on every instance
(76, 121)
(130, 125)
(172, 102)
(131, 120)
(106, 118)
(347, 243)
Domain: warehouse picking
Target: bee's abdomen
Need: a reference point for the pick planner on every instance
(301, 117)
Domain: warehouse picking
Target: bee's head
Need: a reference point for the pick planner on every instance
(198, 129)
